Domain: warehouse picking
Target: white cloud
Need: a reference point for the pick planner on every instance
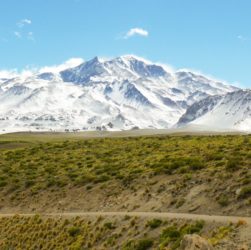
(73, 62)
(12, 73)
(30, 36)
(21, 33)
(136, 31)
(243, 38)
(29, 71)
(8, 73)
(17, 34)
(23, 22)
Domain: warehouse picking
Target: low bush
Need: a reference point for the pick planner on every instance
(223, 200)
(109, 225)
(172, 235)
(154, 223)
(245, 192)
(73, 231)
(233, 164)
(142, 244)
(57, 164)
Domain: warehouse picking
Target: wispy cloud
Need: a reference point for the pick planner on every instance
(73, 62)
(136, 32)
(22, 32)
(30, 36)
(17, 34)
(243, 38)
(30, 70)
(8, 73)
(23, 22)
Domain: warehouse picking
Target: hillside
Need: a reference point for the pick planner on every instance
(200, 174)
(232, 110)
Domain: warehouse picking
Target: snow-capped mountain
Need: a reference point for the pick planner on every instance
(122, 93)
(231, 111)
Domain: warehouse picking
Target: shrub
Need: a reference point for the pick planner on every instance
(180, 202)
(154, 223)
(196, 164)
(3, 183)
(142, 244)
(193, 228)
(246, 180)
(219, 234)
(127, 217)
(29, 183)
(103, 178)
(109, 225)
(73, 231)
(223, 200)
(232, 164)
(245, 192)
(171, 233)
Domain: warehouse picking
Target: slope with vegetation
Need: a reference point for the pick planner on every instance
(202, 174)
(124, 233)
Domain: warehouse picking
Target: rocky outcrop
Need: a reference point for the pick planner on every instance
(194, 242)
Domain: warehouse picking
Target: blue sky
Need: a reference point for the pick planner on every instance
(212, 36)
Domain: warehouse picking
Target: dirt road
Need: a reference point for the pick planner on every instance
(209, 218)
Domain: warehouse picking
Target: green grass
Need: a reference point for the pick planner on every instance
(245, 192)
(37, 232)
(41, 165)
(154, 223)
(75, 233)
(173, 235)
(141, 244)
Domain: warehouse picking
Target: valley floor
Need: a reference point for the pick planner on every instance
(186, 184)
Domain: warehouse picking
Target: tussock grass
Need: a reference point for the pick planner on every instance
(39, 232)
(87, 162)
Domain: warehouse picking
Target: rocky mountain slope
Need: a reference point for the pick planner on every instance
(126, 92)
(232, 110)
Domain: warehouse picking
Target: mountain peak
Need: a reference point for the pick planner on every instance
(131, 57)
(93, 94)
(95, 60)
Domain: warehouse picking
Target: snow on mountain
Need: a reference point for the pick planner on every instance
(199, 109)
(121, 68)
(121, 93)
(231, 111)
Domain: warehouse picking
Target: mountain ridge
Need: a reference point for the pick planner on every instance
(123, 93)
